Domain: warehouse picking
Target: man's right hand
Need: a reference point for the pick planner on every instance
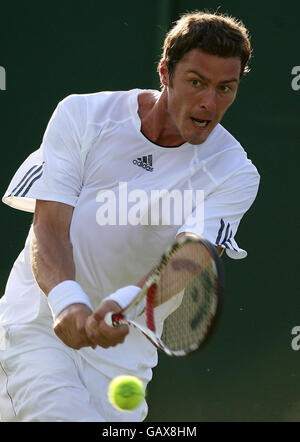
(99, 333)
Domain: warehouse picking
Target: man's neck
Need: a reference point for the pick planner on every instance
(156, 123)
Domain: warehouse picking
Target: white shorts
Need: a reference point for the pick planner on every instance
(51, 382)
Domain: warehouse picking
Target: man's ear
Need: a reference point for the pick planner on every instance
(164, 74)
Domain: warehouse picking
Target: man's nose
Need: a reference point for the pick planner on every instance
(208, 100)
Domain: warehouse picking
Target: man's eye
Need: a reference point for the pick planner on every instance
(196, 83)
(225, 88)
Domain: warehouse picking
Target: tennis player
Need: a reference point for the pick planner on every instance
(98, 229)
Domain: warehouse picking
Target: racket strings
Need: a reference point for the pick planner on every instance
(185, 305)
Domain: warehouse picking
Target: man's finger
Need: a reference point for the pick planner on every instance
(102, 334)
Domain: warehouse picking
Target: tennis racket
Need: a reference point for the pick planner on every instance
(181, 299)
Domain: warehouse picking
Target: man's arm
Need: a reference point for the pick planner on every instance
(52, 263)
(220, 250)
(51, 250)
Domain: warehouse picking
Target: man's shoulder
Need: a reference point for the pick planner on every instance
(222, 138)
(227, 155)
(97, 96)
(96, 100)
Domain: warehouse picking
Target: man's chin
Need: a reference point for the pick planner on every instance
(199, 138)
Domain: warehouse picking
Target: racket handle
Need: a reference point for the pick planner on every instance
(114, 319)
(108, 319)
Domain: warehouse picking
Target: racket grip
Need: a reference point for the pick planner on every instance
(114, 319)
(108, 319)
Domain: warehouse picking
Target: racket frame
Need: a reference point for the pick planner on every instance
(115, 319)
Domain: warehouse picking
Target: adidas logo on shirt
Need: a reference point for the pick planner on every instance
(145, 162)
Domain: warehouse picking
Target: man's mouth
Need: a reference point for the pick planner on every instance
(200, 123)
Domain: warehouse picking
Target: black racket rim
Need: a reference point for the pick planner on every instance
(220, 297)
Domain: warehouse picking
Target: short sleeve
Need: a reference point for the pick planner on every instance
(54, 171)
(223, 210)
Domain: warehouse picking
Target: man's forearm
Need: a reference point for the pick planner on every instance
(51, 259)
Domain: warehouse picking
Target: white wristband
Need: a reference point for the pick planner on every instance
(65, 294)
(124, 295)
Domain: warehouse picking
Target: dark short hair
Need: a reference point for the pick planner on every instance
(213, 33)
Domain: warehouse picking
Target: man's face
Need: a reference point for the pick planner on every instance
(202, 88)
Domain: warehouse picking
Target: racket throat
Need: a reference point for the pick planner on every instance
(151, 293)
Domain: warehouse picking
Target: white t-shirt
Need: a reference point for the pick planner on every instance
(94, 157)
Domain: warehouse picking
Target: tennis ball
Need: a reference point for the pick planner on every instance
(126, 392)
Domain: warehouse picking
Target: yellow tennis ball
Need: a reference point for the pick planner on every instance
(126, 392)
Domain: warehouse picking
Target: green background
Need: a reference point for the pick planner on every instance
(248, 372)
